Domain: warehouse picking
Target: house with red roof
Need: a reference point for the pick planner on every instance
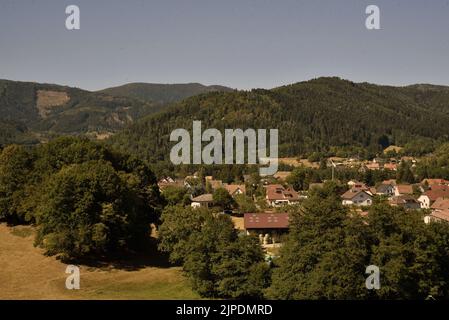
(437, 216)
(268, 226)
(277, 195)
(403, 189)
(429, 197)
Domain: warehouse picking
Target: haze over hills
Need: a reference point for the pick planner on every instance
(311, 116)
(33, 112)
(162, 93)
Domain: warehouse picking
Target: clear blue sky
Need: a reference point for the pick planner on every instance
(239, 43)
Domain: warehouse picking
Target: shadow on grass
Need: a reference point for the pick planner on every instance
(147, 256)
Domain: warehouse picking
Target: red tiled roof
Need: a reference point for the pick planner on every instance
(435, 194)
(350, 194)
(278, 192)
(405, 188)
(441, 204)
(266, 220)
(203, 198)
(232, 188)
(441, 215)
(439, 187)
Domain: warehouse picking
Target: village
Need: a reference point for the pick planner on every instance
(265, 213)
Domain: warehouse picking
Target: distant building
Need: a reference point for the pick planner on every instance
(357, 198)
(440, 204)
(429, 197)
(403, 189)
(385, 189)
(269, 226)
(170, 182)
(204, 200)
(235, 189)
(437, 216)
(405, 201)
(277, 195)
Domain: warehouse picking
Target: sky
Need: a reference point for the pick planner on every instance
(238, 43)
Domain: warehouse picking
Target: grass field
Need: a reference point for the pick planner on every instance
(25, 273)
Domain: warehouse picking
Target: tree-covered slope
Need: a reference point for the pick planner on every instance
(163, 93)
(44, 109)
(310, 116)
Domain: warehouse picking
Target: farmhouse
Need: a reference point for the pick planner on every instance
(268, 226)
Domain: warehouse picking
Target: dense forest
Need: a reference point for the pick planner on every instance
(315, 115)
(83, 198)
(162, 93)
(34, 112)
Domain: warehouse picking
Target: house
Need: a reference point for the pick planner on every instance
(441, 187)
(440, 204)
(357, 197)
(437, 216)
(268, 226)
(429, 197)
(235, 189)
(169, 182)
(405, 201)
(204, 200)
(385, 189)
(403, 189)
(277, 195)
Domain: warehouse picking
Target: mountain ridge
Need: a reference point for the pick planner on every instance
(311, 116)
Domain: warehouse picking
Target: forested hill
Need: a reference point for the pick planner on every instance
(311, 116)
(32, 112)
(163, 93)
